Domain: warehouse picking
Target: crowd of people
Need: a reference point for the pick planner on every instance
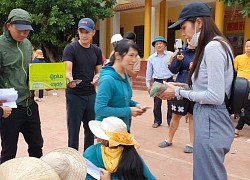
(197, 92)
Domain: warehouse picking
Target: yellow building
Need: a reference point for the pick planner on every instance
(150, 18)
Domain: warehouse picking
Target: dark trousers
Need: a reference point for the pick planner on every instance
(80, 109)
(158, 103)
(240, 124)
(40, 93)
(24, 120)
(246, 118)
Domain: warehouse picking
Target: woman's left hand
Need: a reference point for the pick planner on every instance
(169, 93)
(95, 79)
(105, 175)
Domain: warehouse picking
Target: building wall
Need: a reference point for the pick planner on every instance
(173, 13)
(129, 20)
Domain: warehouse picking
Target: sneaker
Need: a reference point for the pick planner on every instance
(188, 149)
(164, 144)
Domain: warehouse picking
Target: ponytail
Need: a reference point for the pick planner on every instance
(112, 59)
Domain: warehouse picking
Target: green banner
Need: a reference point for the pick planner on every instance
(47, 76)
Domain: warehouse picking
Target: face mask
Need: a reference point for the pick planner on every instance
(194, 41)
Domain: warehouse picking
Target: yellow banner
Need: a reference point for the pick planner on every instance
(47, 76)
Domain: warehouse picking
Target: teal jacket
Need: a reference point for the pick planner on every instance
(14, 63)
(94, 154)
(114, 96)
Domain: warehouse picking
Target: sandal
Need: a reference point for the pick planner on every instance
(155, 125)
(188, 149)
(165, 144)
(236, 135)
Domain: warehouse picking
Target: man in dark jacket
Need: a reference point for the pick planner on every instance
(15, 56)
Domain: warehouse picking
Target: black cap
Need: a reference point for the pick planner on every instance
(195, 9)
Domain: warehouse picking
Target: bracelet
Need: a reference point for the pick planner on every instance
(177, 92)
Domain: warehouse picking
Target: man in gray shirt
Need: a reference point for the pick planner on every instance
(157, 68)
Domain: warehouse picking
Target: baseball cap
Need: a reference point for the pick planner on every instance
(22, 25)
(21, 19)
(116, 38)
(195, 9)
(87, 24)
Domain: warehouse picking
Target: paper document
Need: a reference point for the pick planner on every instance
(10, 95)
(93, 170)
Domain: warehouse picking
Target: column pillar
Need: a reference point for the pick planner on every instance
(108, 36)
(219, 15)
(147, 28)
(101, 37)
(152, 49)
(162, 18)
(166, 19)
(116, 23)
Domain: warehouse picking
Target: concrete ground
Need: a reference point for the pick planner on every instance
(165, 163)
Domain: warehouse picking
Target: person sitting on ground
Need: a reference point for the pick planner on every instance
(116, 152)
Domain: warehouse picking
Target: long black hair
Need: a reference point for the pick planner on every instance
(122, 48)
(208, 32)
(130, 165)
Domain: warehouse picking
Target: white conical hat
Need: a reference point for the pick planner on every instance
(27, 168)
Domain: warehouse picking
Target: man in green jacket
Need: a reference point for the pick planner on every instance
(15, 56)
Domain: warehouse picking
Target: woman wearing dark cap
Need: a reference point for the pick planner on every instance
(210, 78)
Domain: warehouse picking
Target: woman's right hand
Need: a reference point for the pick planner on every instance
(180, 57)
(135, 111)
(6, 111)
(169, 93)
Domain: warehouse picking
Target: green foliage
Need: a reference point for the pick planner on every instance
(245, 4)
(55, 21)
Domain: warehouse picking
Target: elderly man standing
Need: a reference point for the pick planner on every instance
(15, 56)
(157, 68)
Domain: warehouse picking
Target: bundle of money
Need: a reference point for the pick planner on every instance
(157, 89)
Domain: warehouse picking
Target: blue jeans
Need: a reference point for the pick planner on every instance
(213, 136)
(80, 109)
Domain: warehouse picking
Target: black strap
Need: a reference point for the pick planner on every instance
(226, 99)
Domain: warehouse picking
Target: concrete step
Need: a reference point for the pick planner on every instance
(139, 83)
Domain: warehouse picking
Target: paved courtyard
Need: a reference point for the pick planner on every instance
(167, 163)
